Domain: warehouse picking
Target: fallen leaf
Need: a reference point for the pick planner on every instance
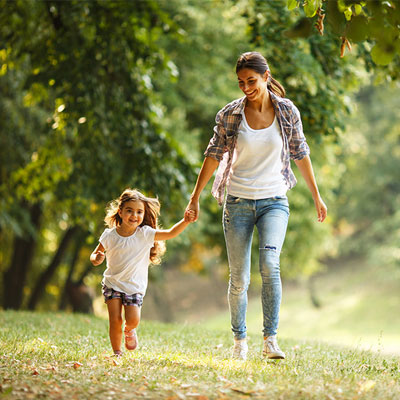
(365, 386)
(77, 365)
(35, 372)
(197, 395)
(244, 391)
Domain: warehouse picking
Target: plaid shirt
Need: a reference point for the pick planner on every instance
(222, 145)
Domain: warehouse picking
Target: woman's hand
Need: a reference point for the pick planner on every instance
(206, 172)
(192, 211)
(322, 210)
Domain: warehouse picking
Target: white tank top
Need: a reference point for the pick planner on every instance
(257, 164)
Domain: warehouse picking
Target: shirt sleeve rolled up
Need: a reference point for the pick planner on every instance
(217, 144)
(298, 146)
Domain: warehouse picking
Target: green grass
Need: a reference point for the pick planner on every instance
(66, 356)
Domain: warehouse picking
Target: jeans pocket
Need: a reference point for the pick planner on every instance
(232, 199)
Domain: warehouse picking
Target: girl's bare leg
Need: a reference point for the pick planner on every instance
(132, 317)
(115, 317)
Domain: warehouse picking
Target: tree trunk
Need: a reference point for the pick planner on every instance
(64, 296)
(81, 297)
(313, 294)
(51, 269)
(23, 251)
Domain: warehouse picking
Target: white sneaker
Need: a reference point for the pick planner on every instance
(240, 349)
(271, 348)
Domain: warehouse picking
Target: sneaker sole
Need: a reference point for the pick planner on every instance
(274, 356)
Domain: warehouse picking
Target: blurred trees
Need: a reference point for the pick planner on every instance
(97, 96)
(368, 197)
(79, 124)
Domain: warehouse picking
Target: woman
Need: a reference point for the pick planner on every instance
(254, 139)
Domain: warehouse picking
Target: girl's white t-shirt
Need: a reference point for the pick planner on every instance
(256, 171)
(128, 259)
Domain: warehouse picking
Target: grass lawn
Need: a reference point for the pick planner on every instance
(66, 356)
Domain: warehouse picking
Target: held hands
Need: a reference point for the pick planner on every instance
(192, 211)
(190, 216)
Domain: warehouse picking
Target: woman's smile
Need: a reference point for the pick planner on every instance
(251, 83)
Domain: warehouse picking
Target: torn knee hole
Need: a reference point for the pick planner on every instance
(269, 247)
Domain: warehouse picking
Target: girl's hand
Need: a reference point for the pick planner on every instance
(322, 210)
(189, 216)
(192, 211)
(99, 258)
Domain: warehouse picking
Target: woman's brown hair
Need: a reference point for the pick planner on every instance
(151, 213)
(257, 62)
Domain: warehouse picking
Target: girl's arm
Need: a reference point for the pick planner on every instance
(207, 170)
(306, 170)
(166, 234)
(98, 256)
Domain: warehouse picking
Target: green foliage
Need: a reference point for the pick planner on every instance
(92, 75)
(374, 21)
(81, 117)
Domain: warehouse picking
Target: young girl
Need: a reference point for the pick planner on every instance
(130, 243)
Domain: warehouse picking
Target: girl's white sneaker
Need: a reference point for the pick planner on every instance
(240, 349)
(271, 348)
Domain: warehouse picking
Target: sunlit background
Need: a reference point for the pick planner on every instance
(100, 96)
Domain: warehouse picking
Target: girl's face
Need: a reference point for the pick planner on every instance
(252, 83)
(132, 213)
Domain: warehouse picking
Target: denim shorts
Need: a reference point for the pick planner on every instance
(135, 299)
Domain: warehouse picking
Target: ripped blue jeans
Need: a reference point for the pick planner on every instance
(271, 217)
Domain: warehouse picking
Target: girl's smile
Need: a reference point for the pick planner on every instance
(132, 215)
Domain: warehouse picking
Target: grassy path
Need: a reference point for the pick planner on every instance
(59, 356)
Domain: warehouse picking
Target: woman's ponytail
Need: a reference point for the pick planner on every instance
(275, 87)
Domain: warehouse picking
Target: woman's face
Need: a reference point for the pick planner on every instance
(252, 83)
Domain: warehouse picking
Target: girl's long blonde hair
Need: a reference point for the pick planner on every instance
(151, 213)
